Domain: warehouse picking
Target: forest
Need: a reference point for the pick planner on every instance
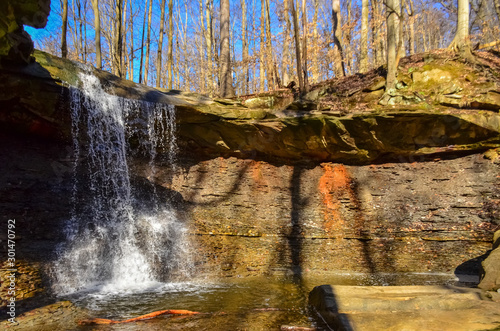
(226, 48)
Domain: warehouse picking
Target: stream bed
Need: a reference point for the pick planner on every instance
(253, 303)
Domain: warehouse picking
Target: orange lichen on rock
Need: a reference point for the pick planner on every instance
(332, 184)
(95, 321)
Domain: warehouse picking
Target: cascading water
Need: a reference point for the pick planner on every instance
(117, 238)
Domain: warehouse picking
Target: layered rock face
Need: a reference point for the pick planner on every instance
(294, 189)
(251, 217)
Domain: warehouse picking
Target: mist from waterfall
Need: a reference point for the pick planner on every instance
(120, 236)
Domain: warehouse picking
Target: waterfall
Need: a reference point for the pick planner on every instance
(120, 237)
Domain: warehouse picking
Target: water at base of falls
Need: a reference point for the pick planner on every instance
(118, 238)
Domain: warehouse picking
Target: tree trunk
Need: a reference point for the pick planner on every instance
(461, 43)
(64, 45)
(262, 55)
(297, 45)
(272, 77)
(131, 56)
(97, 23)
(80, 27)
(117, 42)
(304, 46)
(209, 37)
(411, 22)
(338, 52)
(244, 46)
(391, 48)
(160, 45)
(286, 44)
(203, 51)
(170, 56)
(226, 81)
(401, 51)
(315, 64)
(142, 42)
(363, 62)
(148, 42)
(85, 32)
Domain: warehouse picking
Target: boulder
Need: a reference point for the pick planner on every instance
(15, 44)
(490, 275)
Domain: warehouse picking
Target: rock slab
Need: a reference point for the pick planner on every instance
(405, 308)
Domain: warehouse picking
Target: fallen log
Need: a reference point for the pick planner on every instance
(154, 314)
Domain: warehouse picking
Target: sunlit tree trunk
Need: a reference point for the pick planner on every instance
(286, 61)
(298, 56)
(97, 28)
(170, 54)
(411, 23)
(338, 52)
(391, 47)
(244, 46)
(160, 45)
(148, 42)
(142, 42)
(262, 57)
(203, 50)
(209, 37)
(226, 80)
(304, 46)
(461, 41)
(64, 29)
(363, 62)
(272, 77)
(131, 56)
(315, 65)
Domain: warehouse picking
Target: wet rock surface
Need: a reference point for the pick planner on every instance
(61, 315)
(405, 308)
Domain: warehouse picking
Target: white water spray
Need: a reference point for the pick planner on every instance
(119, 237)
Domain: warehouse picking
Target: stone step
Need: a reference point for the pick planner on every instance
(397, 308)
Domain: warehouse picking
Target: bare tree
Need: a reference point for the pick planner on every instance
(209, 37)
(160, 44)
(226, 80)
(272, 75)
(142, 41)
(262, 57)
(286, 61)
(298, 56)
(170, 57)
(117, 40)
(363, 61)
(97, 28)
(461, 42)
(304, 46)
(338, 52)
(315, 64)
(148, 42)
(130, 55)
(391, 49)
(244, 46)
(64, 45)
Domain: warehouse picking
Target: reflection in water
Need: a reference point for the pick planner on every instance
(254, 303)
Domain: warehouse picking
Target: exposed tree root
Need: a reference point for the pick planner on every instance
(96, 321)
